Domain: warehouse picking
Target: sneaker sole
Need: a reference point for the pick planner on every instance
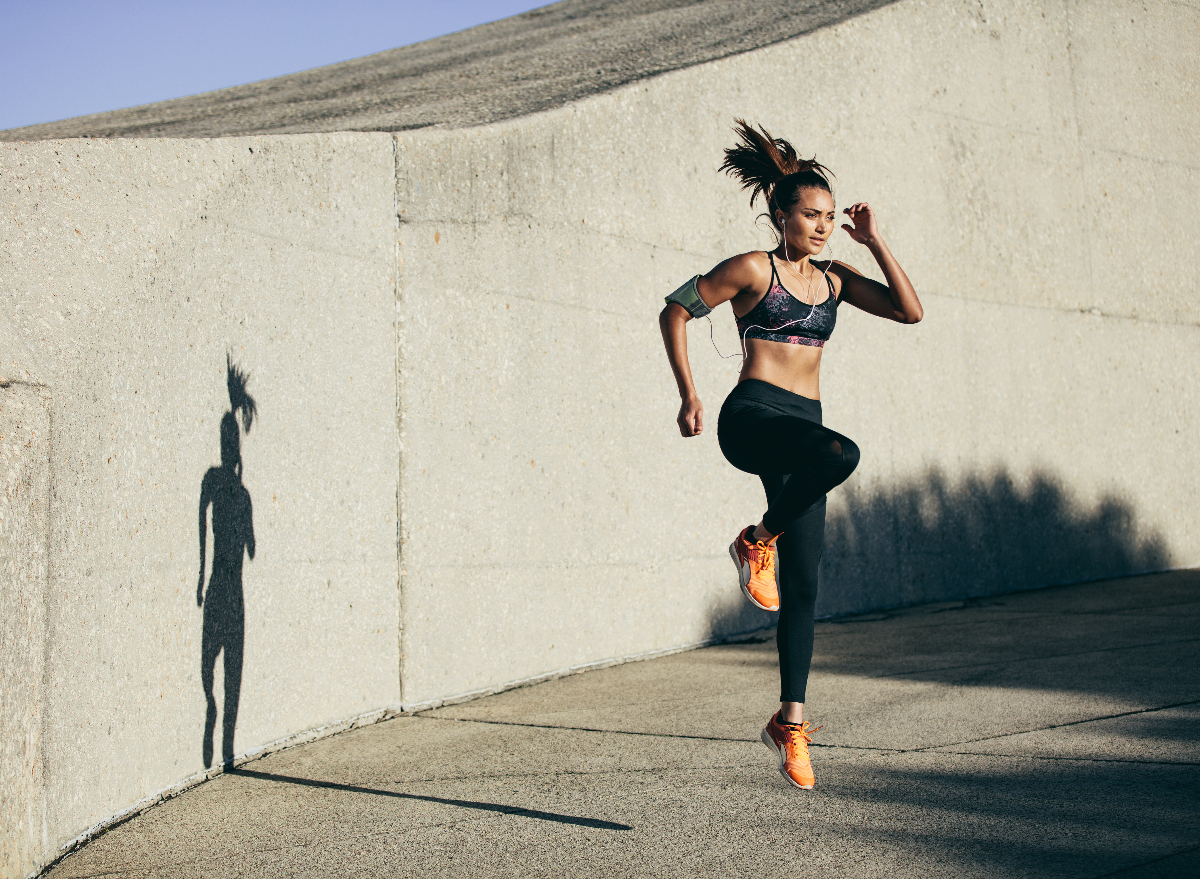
(737, 563)
(778, 752)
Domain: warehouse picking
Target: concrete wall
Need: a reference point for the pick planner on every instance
(24, 570)
(1035, 169)
(130, 269)
(451, 338)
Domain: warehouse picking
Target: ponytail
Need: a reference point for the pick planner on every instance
(770, 167)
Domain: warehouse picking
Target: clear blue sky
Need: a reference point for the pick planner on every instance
(63, 58)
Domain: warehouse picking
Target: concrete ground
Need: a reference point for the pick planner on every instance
(1047, 733)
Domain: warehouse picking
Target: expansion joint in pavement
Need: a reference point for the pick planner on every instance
(1067, 759)
(925, 749)
(1139, 866)
(1022, 732)
(618, 732)
(1005, 662)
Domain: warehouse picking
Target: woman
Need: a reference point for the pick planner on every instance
(786, 304)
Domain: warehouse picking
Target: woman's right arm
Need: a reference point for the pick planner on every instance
(724, 282)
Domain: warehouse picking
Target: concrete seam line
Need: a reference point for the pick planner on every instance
(591, 729)
(397, 379)
(471, 695)
(1006, 662)
(1021, 732)
(1138, 866)
(853, 617)
(1067, 759)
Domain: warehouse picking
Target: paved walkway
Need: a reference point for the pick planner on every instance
(1049, 733)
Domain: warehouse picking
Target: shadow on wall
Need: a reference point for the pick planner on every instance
(935, 539)
(233, 534)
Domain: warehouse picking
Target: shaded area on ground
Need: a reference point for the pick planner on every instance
(920, 771)
(519, 65)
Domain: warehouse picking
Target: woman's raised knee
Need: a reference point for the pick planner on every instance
(850, 456)
(842, 459)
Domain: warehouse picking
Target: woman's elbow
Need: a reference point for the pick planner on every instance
(673, 313)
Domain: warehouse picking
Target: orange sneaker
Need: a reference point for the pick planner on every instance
(755, 562)
(790, 742)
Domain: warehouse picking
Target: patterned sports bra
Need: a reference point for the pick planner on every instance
(781, 317)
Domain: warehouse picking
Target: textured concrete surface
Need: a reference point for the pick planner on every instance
(510, 68)
(1044, 734)
(451, 341)
(1015, 438)
(130, 270)
(24, 572)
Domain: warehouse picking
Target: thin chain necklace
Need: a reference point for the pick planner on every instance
(800, 275)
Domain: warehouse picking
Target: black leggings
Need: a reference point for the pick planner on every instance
(777, 435)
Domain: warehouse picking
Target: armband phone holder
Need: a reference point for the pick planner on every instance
(689, 297)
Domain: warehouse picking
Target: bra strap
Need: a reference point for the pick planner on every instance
(774, 274)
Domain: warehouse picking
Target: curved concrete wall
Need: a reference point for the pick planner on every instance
(461, 389)
(1016, 437)
(131, 269)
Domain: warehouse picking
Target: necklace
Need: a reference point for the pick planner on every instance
(800, 275)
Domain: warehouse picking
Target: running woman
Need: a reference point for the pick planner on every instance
(785, 303)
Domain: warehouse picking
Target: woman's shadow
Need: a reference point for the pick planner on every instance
(233, 534)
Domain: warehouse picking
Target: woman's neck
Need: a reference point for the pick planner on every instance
(800, 266)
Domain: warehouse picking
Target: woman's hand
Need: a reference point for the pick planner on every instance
(865, 229)
(691, 417)
(896, 300)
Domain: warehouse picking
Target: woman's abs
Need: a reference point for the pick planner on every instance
(795, 368)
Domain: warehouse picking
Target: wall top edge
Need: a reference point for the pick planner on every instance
(507, 69)
(110, 142)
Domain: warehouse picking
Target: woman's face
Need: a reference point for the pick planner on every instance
(810, 222)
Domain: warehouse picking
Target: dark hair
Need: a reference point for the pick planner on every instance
(769, 166)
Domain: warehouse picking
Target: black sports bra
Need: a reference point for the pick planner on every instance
(781, 317)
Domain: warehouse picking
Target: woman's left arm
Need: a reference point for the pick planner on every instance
(898, 300)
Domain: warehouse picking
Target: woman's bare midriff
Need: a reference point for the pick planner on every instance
(795, 368)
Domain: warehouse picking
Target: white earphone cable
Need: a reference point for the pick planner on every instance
(804, 320)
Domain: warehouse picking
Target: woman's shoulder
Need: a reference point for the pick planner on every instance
(750, 270)
(835, 271)
(758, 258)
(835, 267)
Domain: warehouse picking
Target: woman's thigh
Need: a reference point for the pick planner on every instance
(758, 440)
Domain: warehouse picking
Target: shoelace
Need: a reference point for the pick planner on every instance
(767, 564)
(803, 731)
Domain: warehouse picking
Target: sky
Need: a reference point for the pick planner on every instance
(63, 58)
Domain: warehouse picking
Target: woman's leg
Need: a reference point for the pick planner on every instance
(769, 431)
(799, 549)
(759, 440)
